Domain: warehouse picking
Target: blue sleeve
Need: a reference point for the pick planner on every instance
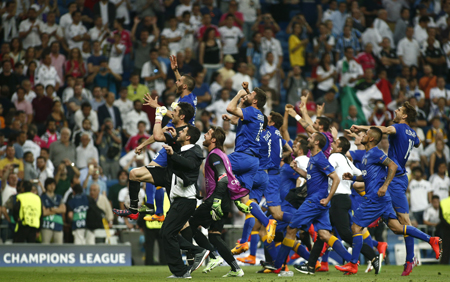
(381, 156)
(290, 143)
(327, 144)
(248, 114)
(283, 142)
(325, 165)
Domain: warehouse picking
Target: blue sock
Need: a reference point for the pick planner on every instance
(287, 217)
(159, 200)
(409, 244)
(357, 245)
(368, 240)
(248, 226)
(283, 252)
(301, 250)
(374, 243)
(325, 256)
(339, 248)
(150, 192)
(254, 243)
(272, 249)
(258, 213)
(416, 233)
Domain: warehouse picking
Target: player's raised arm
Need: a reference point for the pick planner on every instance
(389, 130)
(307, 121)
(392, 168)
(174, 66)
(306, 125)
(284, 128)
(233, 107)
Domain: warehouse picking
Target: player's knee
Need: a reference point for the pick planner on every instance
(291, 232)
(324, 235)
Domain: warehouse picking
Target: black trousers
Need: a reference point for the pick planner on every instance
(151, 236)
(445, 259)
(179, 213)
(25, 234)
(340, 219)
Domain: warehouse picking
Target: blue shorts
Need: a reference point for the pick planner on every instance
(281, 225)
(311, 213)
(260, 183)
(370, 210)
(397, 190)
(244, 167)
(161, 158)
(272, 192)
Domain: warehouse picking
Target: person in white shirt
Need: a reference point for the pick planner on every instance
(440, 183)
(9, 22)
(29, 94)
(431, 214)
(241, 76)
(86, 112)
(383, 28)
(271, 44)
(123, 103)
(124, 201)
(76, 33)
(408, 49)
(9, 188)
(301, 160)
(54, 30)
(122, 8)
(270, 69)
(132, 118)
(85, 151)
(372, 35)
(43, 172)
(187, 30)
(99, 32)
(66, 20)
(232, 37)
(420, 30)
(418, 194)
(173, 36)
(352, 73)
(154, 73)
(30, 29)
(230, 137)
(439, 92)
(185, 5)
(47, 74)
(116, 55)
(219, 107)
(250, 9)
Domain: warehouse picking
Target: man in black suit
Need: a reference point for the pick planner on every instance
(109, 111)
(111, 12)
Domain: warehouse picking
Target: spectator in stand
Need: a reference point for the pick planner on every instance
(323, 43)
(10, 160)
(123, 103)
(29, 93)
(141, 46)
(105, 77)
(232, 37)
(75, 65)
(215, 13)
(201, 91)
(99, 32)
(366, 58)
(271, 44)
(382, 26)
(57, 114)
(238, 17)
(16, 50)
(7, 77)
(352, 118)
(30, 28)
(50, 135)
(62, 149)
(338, 18)
(58, 60)
(77, 210)
(428, 80)
(298, 42)
(9, 21)
(51, 28)
(210, 53)
(294, 83)
(116, 56)
(133, 142)
(241, 76)
(431, 216)
(274, 94)
(346, 40)
(437, 157)
(23, 105)
(227, 71)
(218, 108)
(96, 57)
(107, 11)
(187, 30)
(420, 29)
(74, 103)
(153, 73)
(85, 151)
(173, 36)
(264, 22)
(326, 75)
(109, 142)
(145, 8)
(133, 117)
(86, 128)
(113, 191)
(102, 203)
(44, 172)
(108, 110)
(66, 20)
(11, 129)
(93, 177)
(388, 59)
(191, 62)
(28, 167)
(47, 74)
(439, 92)
(272, 70)
(435, 57)
(440, 183)
(401, 25)
(97, 99)
(408, 49)
(76, 32)
(207, 24)
(330, 105)
(184, 6)
(42, 106)
(86, 112)
(418, 189)
(250, 10)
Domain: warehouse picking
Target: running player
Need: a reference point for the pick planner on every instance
(402, 139)
(244, 160)
(185, 84)
(376, 201)
(314, 209)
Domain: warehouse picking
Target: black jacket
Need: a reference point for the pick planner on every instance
(186, 164)
(103, 113)
(111, 13)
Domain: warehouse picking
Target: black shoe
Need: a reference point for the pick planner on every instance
(268, 265)
(377, 262)
(305, 269)
(187, 275)
(199, 259)
(190, 258)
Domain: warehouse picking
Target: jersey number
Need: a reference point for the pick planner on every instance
(259, 132)
(410, 147)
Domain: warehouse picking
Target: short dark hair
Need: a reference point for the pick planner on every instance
(410, 111)
(186, 13)
(345, 144)
(75, 12)
(377, 134)
(77, 189)
(27, 186)
(49, 181)
(120, 172)
(187, 110)
(189, 81)
(417, 168)
(260, 97)
(220, 136)
(86, 105)
(142, 122)
(324, 122)
(194, 133)
(40, 157)
(26, 154)
(304, 146)
(277, 119)
(348, 47)
(435, 197)
(321, 138)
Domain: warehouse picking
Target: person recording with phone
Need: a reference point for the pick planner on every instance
(10, 159)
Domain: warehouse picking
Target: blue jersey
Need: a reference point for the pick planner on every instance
(190, 99)
(401, 144)
(276, 143)
(317, 177)
(374, 173)
(264, 160)
(248, 130)
(54, 221)
(288, 180)
(79, 205)
(357, 157)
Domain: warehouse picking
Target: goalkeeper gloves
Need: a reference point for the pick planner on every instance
(216, 207)
(174, 105)
(160, 113)
(242, 207)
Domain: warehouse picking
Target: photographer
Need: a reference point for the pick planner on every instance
(109, 144)
(154, 73)
(104, 77)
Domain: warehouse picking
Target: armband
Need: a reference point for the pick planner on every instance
(298, 118)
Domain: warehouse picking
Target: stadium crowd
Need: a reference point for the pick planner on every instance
(74, 75)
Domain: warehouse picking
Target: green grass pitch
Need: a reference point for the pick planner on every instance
(429, 273)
